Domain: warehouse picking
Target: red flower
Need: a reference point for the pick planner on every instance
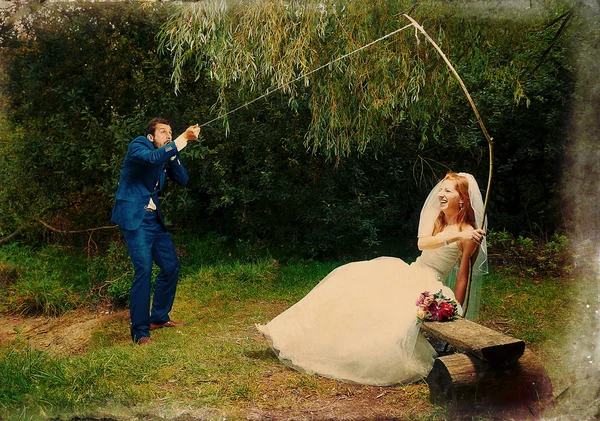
(445, 311)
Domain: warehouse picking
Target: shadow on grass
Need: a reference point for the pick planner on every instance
(264, 355)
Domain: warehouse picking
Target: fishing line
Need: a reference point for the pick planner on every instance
(270, 91)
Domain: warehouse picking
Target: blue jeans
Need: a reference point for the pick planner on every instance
(150, 243)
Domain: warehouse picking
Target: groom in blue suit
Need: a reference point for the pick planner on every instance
(149, 162)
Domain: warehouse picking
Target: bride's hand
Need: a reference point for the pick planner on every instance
(475, 235)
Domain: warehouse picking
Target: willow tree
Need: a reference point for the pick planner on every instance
(314, 50)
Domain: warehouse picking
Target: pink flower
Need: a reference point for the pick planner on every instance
(422, 298)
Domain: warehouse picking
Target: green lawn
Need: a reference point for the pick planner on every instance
(218, 366)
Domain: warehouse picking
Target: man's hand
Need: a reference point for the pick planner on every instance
(192, 133)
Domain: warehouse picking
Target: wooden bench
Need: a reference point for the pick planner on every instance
(494, 371)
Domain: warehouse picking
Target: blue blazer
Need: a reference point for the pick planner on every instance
(144, 173)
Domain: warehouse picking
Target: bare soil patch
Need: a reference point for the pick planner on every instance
(68, 334)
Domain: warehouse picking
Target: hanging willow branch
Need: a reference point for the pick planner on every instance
(267, 46)
(261, 46)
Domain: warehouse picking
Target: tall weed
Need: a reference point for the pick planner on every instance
(113, 274)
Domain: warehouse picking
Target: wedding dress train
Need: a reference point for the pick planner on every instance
(359, 323)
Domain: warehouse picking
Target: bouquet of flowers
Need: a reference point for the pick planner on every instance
(435, 307)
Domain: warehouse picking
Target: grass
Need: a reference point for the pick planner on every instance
(538, 312)
(51, 280)
(218, 366)
(527, 309)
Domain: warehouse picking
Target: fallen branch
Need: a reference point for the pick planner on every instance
(87, 230)
(10, 236)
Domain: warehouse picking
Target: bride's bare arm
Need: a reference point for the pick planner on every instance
(438, 240)
(464, 270)
(446, 237)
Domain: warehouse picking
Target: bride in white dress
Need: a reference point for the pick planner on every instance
(359, 323)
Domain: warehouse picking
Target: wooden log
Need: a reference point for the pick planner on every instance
(464, 382)
(494, 347)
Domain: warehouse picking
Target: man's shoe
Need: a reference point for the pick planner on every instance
(170, 323)
(144, 340)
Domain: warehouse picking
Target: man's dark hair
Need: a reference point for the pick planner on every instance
(151, 127)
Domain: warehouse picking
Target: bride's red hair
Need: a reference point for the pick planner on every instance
(466, 216)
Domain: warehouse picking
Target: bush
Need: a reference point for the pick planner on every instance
(113, 274)
(530, 257)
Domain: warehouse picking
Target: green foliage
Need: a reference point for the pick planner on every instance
(51, 280)
(271, 45)
(23, 371)
(112, 273)
(199, 251)
(400, 83)
(80, 81)
(531, 257)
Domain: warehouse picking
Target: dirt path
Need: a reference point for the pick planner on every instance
(67, 334)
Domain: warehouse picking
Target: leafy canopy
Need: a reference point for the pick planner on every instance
(258, 46)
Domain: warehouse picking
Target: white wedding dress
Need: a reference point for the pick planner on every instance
(359, 323)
